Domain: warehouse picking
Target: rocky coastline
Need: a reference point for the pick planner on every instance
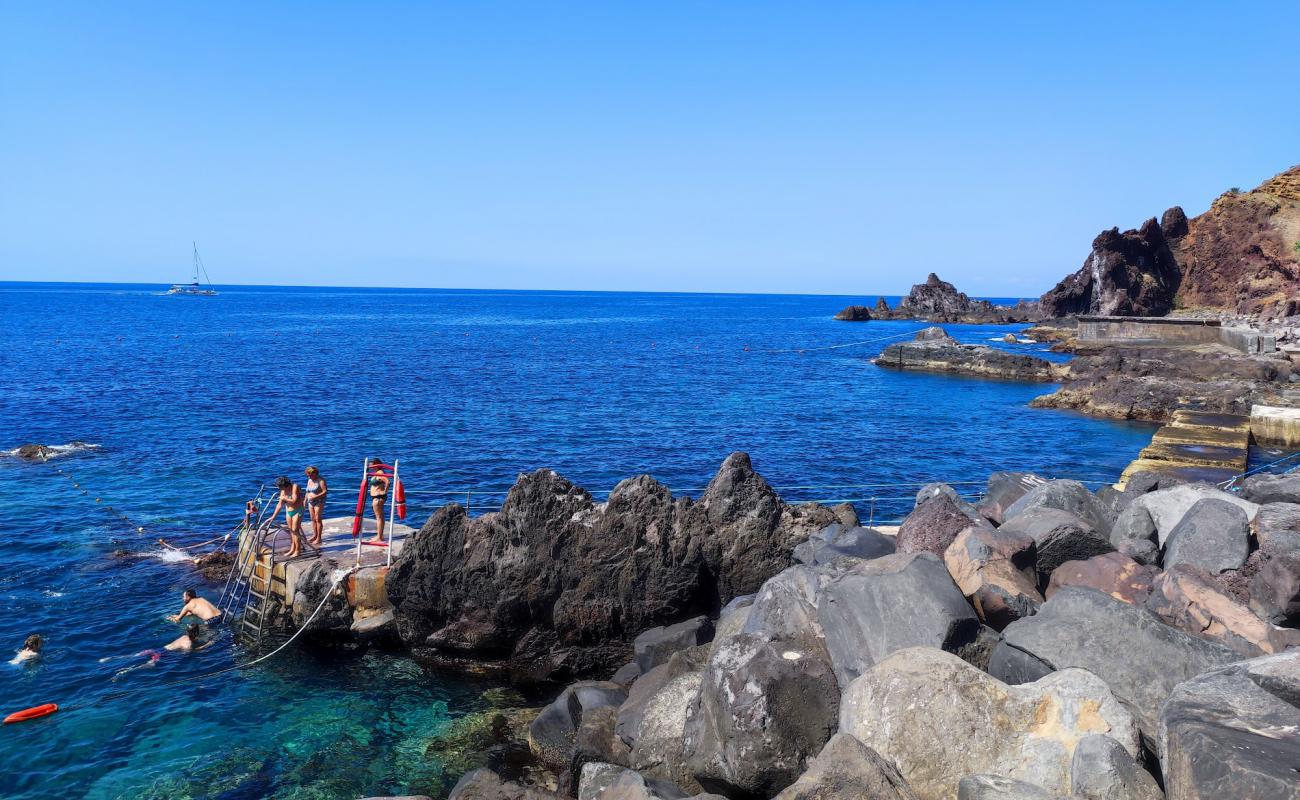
(1046, 641)
(936, 300)
(933, 350)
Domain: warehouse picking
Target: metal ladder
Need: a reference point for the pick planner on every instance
(261, 581)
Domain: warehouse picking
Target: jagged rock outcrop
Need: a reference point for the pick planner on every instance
(1240, 256)
(854, 314)
(939, 301)
(555, 585)
(1133, 273)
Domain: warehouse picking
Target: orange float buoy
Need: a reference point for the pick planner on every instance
(32, 713)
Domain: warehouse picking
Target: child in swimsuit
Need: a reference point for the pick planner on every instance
(292, 500)
(378, 493)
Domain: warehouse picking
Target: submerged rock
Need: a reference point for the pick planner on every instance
(939, 719)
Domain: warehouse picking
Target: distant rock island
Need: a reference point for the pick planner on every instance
(1240, 257)
(936, 300)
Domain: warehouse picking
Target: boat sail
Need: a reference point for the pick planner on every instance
(195, 288)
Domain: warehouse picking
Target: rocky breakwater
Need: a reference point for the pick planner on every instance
(1150, 382)
(933, 350)
(1241, 256)
(556, 585)
(936, 300)
(1046, 642)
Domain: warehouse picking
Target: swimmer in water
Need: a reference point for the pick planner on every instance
(196, 606)
(187, 642)
(31, 649)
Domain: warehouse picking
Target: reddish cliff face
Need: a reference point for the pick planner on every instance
(1241, 256)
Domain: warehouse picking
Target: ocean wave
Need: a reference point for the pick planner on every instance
(54, 450)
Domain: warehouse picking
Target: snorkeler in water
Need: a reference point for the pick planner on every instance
(187, 642)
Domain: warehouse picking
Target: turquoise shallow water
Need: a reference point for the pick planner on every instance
(192, 402)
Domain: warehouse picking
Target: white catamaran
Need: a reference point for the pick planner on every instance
(195, 288)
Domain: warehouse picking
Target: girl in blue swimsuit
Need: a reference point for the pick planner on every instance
(292, 500)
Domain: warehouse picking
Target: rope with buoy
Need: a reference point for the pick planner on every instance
(846, 344)
(46, 709)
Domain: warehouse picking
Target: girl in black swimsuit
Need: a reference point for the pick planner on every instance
(378, 493)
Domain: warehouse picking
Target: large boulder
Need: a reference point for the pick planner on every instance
(1275, 588)
(1134, 534)
(1139, 657)
(1190, 599)
(653, 720)
(1167, 507)
(935, 523)
(785, 608)
(551, 735)
(613, 782)
(483, 784)
(889, 603)
(653, 647)
(765, 708)
(1114, 574)
(1214, 535)
(1275, 523)
(847, 768)
(1059, 536)
(1267, 488)
(1103, 770)
(996, 787)
(840, 541)
(1003, 490)
(556, 585)
(1235, 732)
(994, 568)
(938, 719)
(1069, 496)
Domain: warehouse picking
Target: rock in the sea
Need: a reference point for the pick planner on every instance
(556, 585)
(765, 708)
(939, 719)
(1139, 657)
(890, 603)
(1060, 536)
(1069, 496)
(1235, 732)
(854, 314)
(35, 452)
(946, 355)
(995, 569)
(1103, 770)
(1112, 573)
(1268, 488)
(1214, 535)
(1134, 534)
(653, 647)
(1004, 489)
(483, 784)
(935, 523)
(1133, 273)
(1190, 599)
(846, 768)
(551, 735)
(996, 787)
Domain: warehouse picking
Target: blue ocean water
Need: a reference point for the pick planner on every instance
(192, 403)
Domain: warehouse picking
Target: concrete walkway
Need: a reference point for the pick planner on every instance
(1196, 446)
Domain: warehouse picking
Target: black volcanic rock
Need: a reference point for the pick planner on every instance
(557, 586)
(854, 314)
(933, 350)
(1133, 273)
(940, 301)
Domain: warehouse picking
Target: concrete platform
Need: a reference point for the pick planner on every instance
(1275, 425)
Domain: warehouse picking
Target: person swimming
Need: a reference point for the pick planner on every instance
(196, 606)
(32, 646)
(187, 642)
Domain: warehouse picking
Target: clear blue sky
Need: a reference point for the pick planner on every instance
(803, 147)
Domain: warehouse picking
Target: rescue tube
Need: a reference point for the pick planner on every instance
(399, 497)
(32, 713)
(361, 509)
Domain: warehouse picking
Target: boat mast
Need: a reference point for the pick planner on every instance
(198, 266)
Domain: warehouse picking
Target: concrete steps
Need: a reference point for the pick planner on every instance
(1196, 446)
